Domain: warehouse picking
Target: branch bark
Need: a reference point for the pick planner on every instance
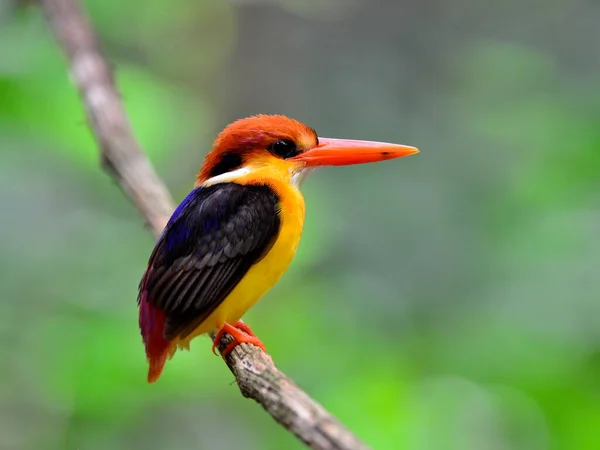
(256, 375)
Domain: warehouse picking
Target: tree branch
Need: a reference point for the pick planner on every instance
(254, 371)
(120, 153)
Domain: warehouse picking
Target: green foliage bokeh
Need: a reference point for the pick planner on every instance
(445, 301)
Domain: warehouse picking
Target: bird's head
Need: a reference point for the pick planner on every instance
(276, 146)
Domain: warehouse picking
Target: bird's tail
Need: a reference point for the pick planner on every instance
(152, 321)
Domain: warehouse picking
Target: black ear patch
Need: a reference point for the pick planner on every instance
(227, 163)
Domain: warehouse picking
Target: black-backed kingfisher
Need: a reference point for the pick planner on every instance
(236, 232)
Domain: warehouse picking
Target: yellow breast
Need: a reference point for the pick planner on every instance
(264, 274)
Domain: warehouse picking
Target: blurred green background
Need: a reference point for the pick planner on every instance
(444, 301)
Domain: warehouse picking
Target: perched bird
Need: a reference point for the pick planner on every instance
(236, 232)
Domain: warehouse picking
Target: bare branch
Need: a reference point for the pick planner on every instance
(254, 371)
(258, 378)
(120, 153)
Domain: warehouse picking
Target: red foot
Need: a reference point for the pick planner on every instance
(241, 333)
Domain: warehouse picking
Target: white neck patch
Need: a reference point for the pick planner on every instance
(296, 179)
(299, 177)
(228, 176)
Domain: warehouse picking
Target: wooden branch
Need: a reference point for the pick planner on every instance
(120, 153)
(258, 378)
(255, 373)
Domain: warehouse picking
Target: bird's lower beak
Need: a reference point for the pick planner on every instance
(342, 152)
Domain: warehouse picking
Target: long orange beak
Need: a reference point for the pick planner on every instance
(342, 152)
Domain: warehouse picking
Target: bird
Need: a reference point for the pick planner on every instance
(236, 232)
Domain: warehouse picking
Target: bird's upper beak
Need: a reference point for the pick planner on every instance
(342, 152)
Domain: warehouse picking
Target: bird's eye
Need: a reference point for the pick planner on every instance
(283, 148)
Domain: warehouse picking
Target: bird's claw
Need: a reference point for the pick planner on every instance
(241, 333)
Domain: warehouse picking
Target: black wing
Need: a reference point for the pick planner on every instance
(216, 234)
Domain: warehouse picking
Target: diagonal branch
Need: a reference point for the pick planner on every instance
(256, 374)
(120, 153)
